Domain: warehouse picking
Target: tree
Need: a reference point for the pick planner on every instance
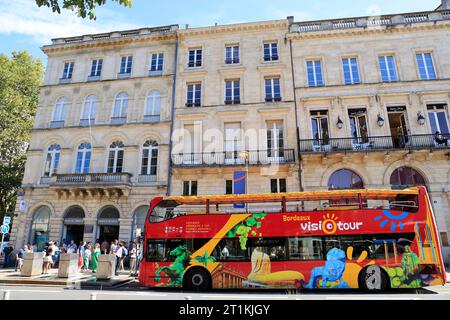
(83, 7)
(20, 78)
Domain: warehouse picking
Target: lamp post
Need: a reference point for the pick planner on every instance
(245, 155)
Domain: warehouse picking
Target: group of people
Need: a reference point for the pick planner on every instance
(88, 254)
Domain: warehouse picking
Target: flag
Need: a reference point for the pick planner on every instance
(239, 186)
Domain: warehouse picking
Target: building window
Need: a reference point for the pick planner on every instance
(195, 58)
(194, 93)
(89, 110)
(387, 69)
(189, 188)
(96, 68)
(271, 51)
(157, 62)
(315, 76)
(320, 129)
(232, 54)
(139, 222)
(351, 72)
(83, 158)
(149, 158)
(406, 177)
(277, 185)
(438, 119)
(52, 162)
(272, 88)
(426, 67)
(68, 70)
(40, 227)
(126, 65)
(153, 107)
(232, 142)
(229, 187)
(59, 113)
(358, 126)
(275, 140)
(120, 108)
(232, 92)
(345, 179)
(115, 160)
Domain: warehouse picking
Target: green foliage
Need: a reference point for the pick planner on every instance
(205, 259)
(20, 78)
(175, 271)
(83, 7)
(247, 226)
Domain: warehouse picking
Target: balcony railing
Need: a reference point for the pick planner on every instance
(152, 118)
(118, 120)
(234, 158)
(79, 179)
(57, 124)
(428, 141)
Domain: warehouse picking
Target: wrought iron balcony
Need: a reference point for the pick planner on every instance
(427, 141)
(234, 158)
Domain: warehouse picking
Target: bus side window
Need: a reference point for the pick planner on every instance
(156, 250)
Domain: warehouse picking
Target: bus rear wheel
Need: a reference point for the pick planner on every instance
(197, 279)
(373, 279)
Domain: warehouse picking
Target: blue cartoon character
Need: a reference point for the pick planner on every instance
(330, 274)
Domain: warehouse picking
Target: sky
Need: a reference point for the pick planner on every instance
(24, 26)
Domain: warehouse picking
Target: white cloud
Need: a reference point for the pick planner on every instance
(24, 17)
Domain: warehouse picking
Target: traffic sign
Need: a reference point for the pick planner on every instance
(4, 229)
(6, 220)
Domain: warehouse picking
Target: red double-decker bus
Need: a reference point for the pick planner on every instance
(379, 239)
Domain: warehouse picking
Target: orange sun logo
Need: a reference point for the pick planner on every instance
(354, 267)
(329, 225)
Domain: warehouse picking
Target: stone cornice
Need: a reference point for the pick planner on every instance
(364, 31)
(233, 28)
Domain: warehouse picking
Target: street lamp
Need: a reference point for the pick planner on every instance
(420, 118)
(340, 123)
(380, 120)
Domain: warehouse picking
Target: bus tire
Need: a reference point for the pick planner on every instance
(373, 279)
(197, 279)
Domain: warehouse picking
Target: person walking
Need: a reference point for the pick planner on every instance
(6, 252)
(133, 259)
(105, 247)
(114, 246)
(81, 255)
(95, 254)
(119, 253)
(19, 258)
(87, 257)
(72, 247)
(124, 256)
(47, 258)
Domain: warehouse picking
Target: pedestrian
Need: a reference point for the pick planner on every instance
(55, 254)
(81, 255)
(63, 248)
(19, 258)
(119, 253)
(114, 246)
(133, 258)
(105, 247)
(30, 248)
(47, 258)
(95, 254)
(87, 257)
(6, 252)
(124, 256)
(72, 247)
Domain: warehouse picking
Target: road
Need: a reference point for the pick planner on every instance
(133, 292)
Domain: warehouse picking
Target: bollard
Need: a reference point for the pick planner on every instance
(6, 295)
(93, 296)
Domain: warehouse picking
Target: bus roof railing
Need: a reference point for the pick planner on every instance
(293, 196)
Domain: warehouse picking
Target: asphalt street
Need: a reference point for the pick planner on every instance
(134, 292)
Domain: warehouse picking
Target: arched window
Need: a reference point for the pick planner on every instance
(59, 113)
(149, 158)
(89, 110)
(120, 108)
(115, 160)
(52, 161)
(83, 158)
(345, 179)
(153, 107)
(406, 177)
(40, 227)
(140, 214)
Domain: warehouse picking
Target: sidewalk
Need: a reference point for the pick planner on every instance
(83, 279)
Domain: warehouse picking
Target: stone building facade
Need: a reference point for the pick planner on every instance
(297, 105)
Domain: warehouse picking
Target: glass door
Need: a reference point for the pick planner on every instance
(320, 130)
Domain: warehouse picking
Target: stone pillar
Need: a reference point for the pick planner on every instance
(55, 229)
(90, 229)
(32, 264)
(106, 266)
(125, 229)
(68, 265)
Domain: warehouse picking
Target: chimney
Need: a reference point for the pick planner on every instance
(445, 5)
(290, 20)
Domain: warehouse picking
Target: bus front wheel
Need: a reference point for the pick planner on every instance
(197, 279)
(373, 278)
